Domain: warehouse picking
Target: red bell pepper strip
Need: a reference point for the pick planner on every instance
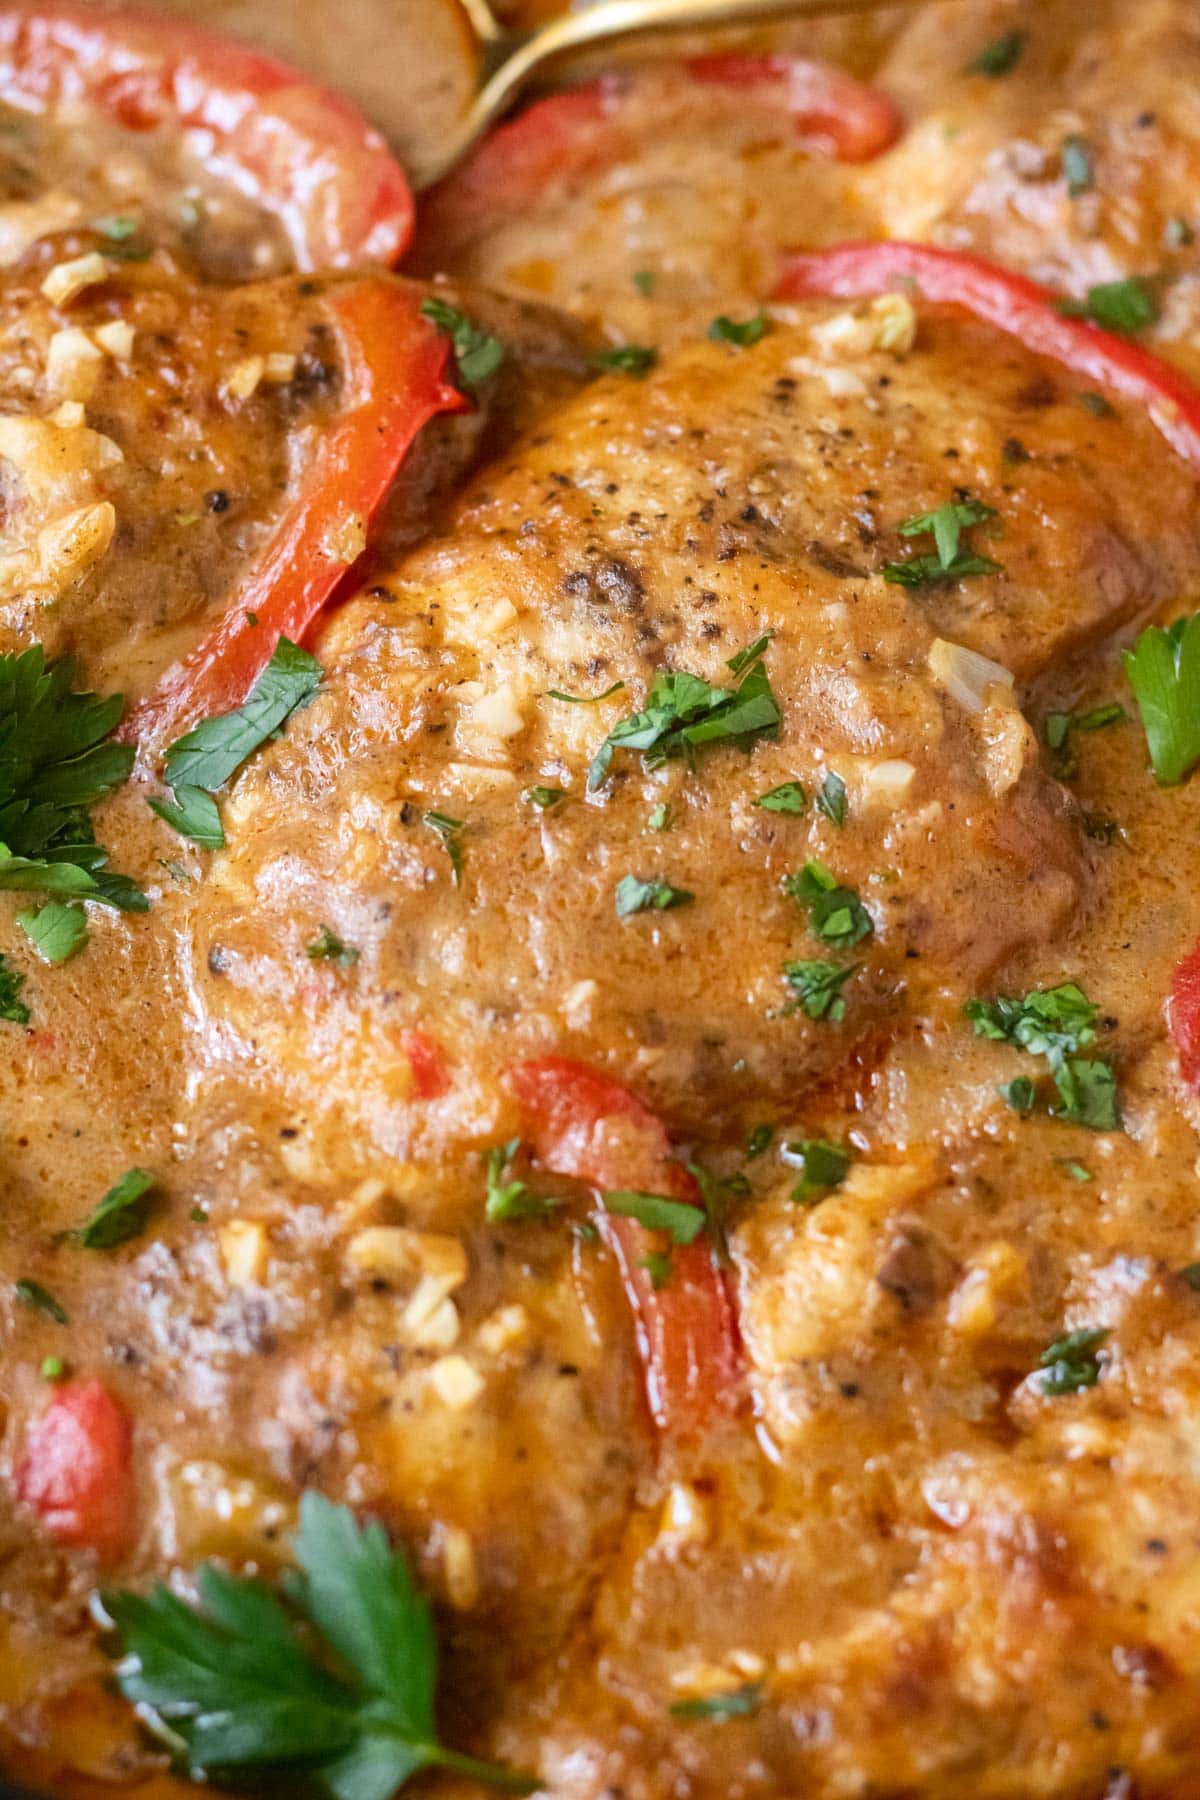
(1014, 304)
(393, 382)
(427, 1065)
(565, 135)
(294, 148)
(579, 1122)
(1183, 1016)
(77, 1471)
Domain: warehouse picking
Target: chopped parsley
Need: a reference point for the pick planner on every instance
(332, 1676)
(1121, 306)
(999, 57)
(1071, 1363)
(824, 1166)
(1096, 404)
(56, 930)
(832, 799)
(1060, 725)
(328, 947)
(660, 818)
(818, 987)
(201, 762)
(545, 797)
(788, 797)
(761, 1138)
(1164, 671)
(946, 562)
(738, 1703)
(658, 1267)
(449, 830)
(121, 1214)
(625, 359)
(682, 1222)
(1178, 234)
(56, 761)
(1078, 171)
(1076, 1170)
(1020, 1094)
(643, 280)
(1191, 1274)
(12, 1007)
(53, 1368)
(476, 352)
(584, 699)
(508, 1197)
(32, 1293)
(741, 332)
(1055, 1023)
(655, 895)
(685, 712)
(835, 913)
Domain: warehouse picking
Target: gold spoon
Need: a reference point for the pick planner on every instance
(509, 59)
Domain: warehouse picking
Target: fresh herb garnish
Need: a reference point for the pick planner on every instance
(235, 1685)
(118, 228)
(742, 332)
(1060, 725)
(53, 1368)
(739, 1703)
(1178, 234)
(1019, 1093)
(660, 818)
(1076, 1170)
(643, 280)
(56, 761)
(545, 797)
(12, 1007)
(946, 562)
(1096, 404)
(1121, 306)
(1071, 1363)
(625, 359)
(655, 895)
(476, 352)
(328, 947)
(835, 913)
(56, 930)
(32, 1293)
(194, 815)
(832, 799)
(512, 1198)
(1078, 171)
(681, 1221)
(818, 987)
(584, 699)
(1055, 1023)
(1164, 671)
(658, 1267)
(685, 712)
(449, 830)
(999, 56)
(788, 797)
(213, 753)
(824, 1166)
(121, 1214)
(760, 1139)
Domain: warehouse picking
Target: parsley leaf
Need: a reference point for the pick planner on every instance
(448, 830)
(1077, 165)
(760, 1139)
(788, 797)
(743, 333)
(825, 1166)
(678, 1218)
(57, 761)
(1121, 306)
(1019, 1093)
(56, 930)
(832, 799)
(512, 1199)
(817, 987)
(947, 563)
(658, 1267)
(643, 280)
(1164, 671)
(545, 797)
(1071, 1363)
(684, 712)
(232, 1685)
(212, 754)
(660, 818)
(739, 1703)
(584, 699)
(32, 1293)
(477, 354)
(835, 913)
(1060, 725)
(999, 56)
(193, 814)
(626, 359)
(656, 895)
(12, 1007)
(1055, 1023)
(328, 947)
(121, 1214)
(1087, 1090)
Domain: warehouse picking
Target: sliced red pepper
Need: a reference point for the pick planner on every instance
(393, 382)
(427, 1062)
(1183, 1016)
(1014, 304)
(294, 148)
(579, 1122)
(77, 1471)
(565, 135)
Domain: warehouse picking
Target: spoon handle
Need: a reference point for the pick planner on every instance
(517, 58)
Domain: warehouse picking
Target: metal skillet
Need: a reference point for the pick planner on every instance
(511, 59)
